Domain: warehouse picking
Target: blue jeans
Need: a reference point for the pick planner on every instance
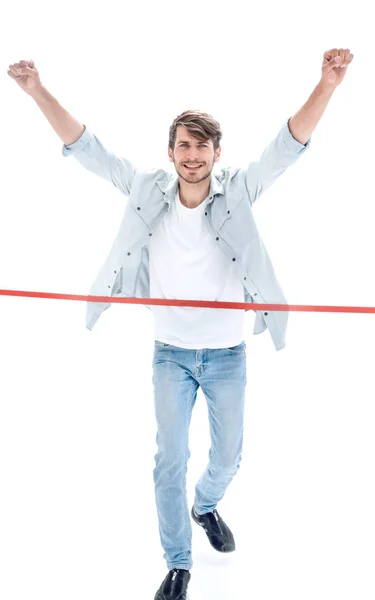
(177, 375)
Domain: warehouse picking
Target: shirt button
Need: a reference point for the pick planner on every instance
(217, 239)
(265, 314)
(205, 214)
(115, 272)
(256, 293)
(233, 259)
(244, 278)
(150, 234)
(128, 253)
(228, 212)
(138, 208)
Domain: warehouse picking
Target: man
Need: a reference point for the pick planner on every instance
(193, 236)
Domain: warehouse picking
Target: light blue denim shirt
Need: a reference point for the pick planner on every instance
(230, 220)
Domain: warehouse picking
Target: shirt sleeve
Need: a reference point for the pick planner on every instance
(92, 155)
(280, 154)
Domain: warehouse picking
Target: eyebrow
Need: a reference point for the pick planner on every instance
(187, 142)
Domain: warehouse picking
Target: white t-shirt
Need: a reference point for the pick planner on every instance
(186, 263)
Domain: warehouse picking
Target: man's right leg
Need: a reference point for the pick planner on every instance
(175, 392)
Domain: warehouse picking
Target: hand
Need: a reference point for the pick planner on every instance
(26, 75)
(334, 69)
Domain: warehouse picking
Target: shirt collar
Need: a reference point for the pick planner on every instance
(170, 186)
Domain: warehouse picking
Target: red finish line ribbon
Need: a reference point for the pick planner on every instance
(190, 303)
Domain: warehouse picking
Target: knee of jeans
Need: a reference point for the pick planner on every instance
(172, 456)
(227, 466)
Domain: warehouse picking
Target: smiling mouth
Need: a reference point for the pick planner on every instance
(192, 168)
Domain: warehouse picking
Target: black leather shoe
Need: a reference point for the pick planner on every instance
(174, 586)
(220, 536)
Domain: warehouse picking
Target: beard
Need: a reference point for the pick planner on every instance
(194, 177)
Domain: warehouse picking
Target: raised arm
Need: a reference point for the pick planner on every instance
(335, 64)
(27, 77)
(294, 137)
(78, 141)
(280, 154)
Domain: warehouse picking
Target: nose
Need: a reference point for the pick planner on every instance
(193, 156)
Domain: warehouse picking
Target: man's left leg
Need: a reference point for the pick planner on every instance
(223, 382)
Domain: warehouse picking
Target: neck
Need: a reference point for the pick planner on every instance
(192, 195)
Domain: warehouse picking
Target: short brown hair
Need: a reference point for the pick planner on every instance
(199, 124)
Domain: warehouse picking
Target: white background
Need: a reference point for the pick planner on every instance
(77, 430)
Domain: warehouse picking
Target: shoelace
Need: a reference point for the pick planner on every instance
(185, 581)
(217, 520)
(215, 513)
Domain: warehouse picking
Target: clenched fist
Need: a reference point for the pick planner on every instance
(335, 64)
(26, 75)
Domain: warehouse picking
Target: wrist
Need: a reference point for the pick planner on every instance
(39, 93)
(325, 88)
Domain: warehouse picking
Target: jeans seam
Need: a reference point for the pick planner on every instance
(189, 537)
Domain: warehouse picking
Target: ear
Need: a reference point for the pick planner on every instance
(217, 154)
(170, 154)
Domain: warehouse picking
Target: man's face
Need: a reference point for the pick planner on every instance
(193, 159)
